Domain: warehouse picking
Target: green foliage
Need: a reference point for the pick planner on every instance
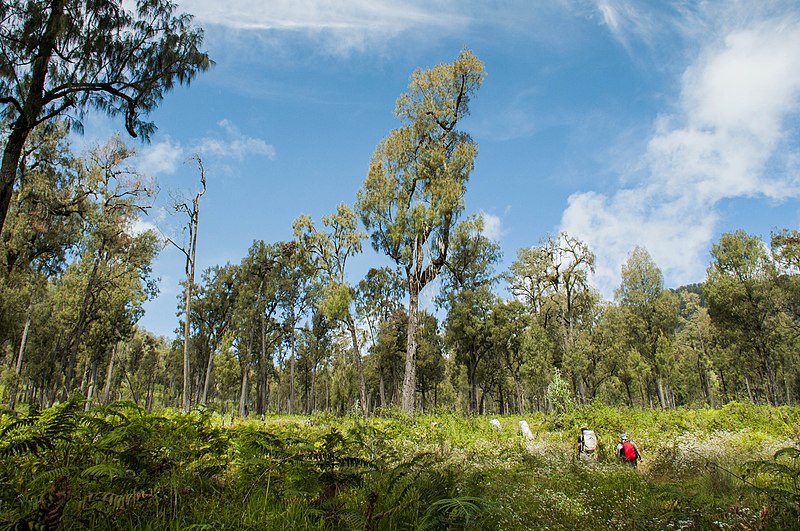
(119, 466)
(559, 394)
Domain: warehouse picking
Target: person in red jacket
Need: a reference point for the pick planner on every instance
(627, 451)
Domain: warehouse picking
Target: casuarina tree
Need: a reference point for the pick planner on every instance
(413, 193)
(61, 58)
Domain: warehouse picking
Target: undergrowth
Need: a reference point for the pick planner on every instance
(123, 468)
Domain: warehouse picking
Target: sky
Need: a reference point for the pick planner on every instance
(624, 123)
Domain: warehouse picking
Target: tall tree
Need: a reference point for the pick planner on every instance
(214, 309)
(190, 209)
(745, 305)
(330, 252)
(651, 312)
(59, 57)
(553, 279)
(378, 296)
(413, 193)
(111, 251)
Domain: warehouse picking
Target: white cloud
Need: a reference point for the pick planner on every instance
(729, 138)
(492, 226)
(233, 143)
(140, 226)
(160, 158)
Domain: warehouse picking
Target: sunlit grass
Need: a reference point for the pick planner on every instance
(427, 471)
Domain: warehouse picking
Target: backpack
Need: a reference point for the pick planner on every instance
(629, 450)
(589, 441)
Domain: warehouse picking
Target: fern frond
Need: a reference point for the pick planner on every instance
(18, 424)
(102, 470)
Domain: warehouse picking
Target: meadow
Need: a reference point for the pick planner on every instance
(120, 467)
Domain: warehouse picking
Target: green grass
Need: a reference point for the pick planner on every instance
(119, 467)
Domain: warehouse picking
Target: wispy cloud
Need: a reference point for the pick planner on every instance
(729, 137)
(230, 142)
(343, 26)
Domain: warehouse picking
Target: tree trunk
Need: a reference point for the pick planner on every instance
(80, 325)
(362, 386)
(243, 394)
(185, 400)
(381, 384)
(260, 371)
(410, 377)
(109, 373)
(92, 385)
(660, 392)
(472, 376)
(291, 368)
(209, 365)
(12, 399)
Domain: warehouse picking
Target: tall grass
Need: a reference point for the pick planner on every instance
(120, 467)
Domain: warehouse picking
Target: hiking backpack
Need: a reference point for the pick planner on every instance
(589, 441)
(629, 450)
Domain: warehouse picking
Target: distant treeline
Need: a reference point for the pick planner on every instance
(272, 333)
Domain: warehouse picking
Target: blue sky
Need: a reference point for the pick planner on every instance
(660, 124)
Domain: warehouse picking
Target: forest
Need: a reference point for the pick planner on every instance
(286, 330)
(349, 392)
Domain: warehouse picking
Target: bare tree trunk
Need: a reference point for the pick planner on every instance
(243, 394)
(109, 373)
(92, 385)
(194, 215)
(749, 392)
(291, 368)
(362, 386)
(207, 383)
(660, 392)
(12, 400)
(381, 384)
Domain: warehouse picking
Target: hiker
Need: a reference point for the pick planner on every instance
(526, 430)
(587, 442)
(627, 451)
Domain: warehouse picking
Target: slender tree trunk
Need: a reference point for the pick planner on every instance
(109, 373)
(92, 385)
(209, 366)
(749, 392)
(362, 386)
(313, 388)
(472, 376)
(291, 368)
(260, 368)
(185, 399)
(191, 253)
(12, 399)
(660, 392)
(243, 394)
(381, 384)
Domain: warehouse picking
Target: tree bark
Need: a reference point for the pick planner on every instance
(109, 373)
(12, 400)
(410, 377)
(362, 386)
